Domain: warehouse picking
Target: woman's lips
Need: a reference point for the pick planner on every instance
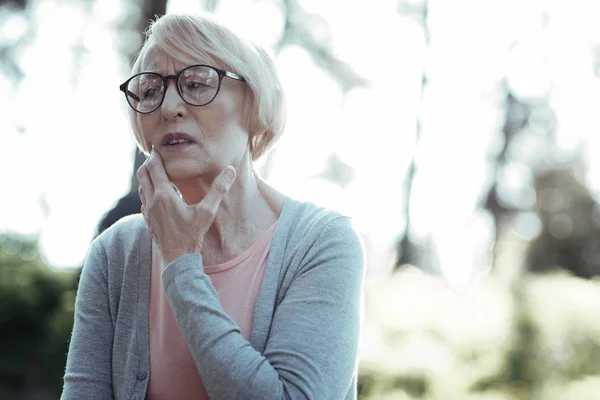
(177, 146)
(170, 138)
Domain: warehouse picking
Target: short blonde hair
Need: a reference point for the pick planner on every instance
(193, 38)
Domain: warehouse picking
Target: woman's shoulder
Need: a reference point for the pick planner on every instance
(306, 213)
(307, 221)
(124, 235)
(319, 237)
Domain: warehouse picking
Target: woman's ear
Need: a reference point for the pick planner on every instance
(251, 143)
(259, 143)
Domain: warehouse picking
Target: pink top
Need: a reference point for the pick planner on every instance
(173, 374)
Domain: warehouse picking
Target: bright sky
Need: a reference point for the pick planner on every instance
(67, 148)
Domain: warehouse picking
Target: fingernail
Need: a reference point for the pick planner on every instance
(230, 174)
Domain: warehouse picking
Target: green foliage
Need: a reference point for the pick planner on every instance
(36, 317)
(536, 339)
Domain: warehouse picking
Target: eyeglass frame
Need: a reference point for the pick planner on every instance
(165, 79)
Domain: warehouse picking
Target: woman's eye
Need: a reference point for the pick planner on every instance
(193, 85)
(150, 93)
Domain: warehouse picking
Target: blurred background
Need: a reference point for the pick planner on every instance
(460, 135)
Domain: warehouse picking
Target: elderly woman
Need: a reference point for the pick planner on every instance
(223, 288)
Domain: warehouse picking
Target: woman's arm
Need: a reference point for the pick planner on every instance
(312, 348)
(88, 371)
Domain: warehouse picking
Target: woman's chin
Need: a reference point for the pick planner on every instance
(183, 170)
(177, 172)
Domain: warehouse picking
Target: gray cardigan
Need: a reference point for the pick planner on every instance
(305, 332)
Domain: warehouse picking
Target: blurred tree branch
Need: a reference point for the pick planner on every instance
(210, 5)
(9, 49)
(516, 117)
(406, 250)
(19, 4)
(8, 64)
(311, 32)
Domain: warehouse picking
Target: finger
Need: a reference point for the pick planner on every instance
(157, 173)
(143, 211)
(177, 190)
(219, 187)
(146, 189)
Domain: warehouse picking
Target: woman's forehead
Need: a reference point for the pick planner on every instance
(155, 60)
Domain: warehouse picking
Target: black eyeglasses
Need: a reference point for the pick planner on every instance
(197, 85)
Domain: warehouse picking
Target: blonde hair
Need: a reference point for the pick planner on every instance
(194, 38)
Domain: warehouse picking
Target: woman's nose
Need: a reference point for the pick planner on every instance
(173, 103)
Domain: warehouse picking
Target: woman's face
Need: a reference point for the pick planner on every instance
(217, 135)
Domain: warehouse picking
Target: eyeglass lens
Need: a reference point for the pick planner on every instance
(198, 86)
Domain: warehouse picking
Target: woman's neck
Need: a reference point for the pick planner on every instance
(246, 211)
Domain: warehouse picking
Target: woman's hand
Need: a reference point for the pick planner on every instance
(177, 228)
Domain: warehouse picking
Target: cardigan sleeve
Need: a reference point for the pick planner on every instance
(88, 370)
(312, 348)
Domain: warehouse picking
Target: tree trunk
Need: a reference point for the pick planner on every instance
(407, 252)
